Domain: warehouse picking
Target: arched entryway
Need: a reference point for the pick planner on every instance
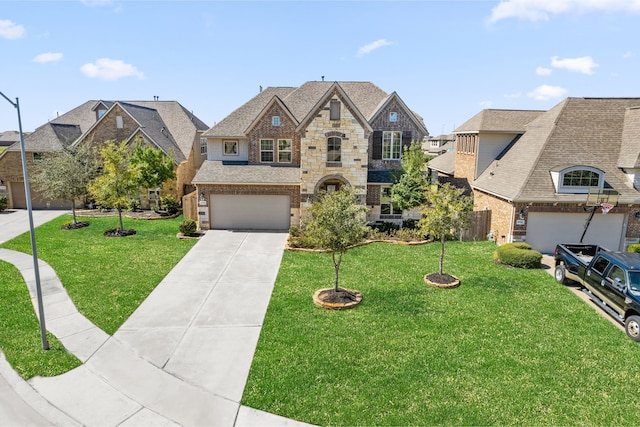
(330, 183)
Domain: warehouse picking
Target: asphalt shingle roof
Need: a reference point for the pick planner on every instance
(492, 120)
(576, 132)
(215, 172)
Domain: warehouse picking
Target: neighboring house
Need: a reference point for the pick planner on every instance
(166, 125)
(10, 137)
(437, 145)
(270, 158)
(534, 170)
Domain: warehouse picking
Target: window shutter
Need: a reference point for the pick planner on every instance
(377, 145)
(406, 140)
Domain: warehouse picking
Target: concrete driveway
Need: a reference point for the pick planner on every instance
(182, 358)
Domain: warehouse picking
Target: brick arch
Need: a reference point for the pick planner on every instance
(333, 177)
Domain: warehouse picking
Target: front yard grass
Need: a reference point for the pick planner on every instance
(508, 347)
(108, 277)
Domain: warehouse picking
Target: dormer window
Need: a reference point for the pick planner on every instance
(100, 112)
(275, 120)
(577, 179)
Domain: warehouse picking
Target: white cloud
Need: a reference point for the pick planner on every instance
(628, 54)
(47, 57)
(372, 46)
(513, 95)
(10, 30)
(584, 64)
(541, 10)
(546, 92)
(110, 69)
(542, 71)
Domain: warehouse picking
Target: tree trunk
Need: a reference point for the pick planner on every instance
(441, 253)
(73, 212)
(120, 217)
(336, 267)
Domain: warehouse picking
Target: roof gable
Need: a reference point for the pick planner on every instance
(417, 121)
(275, 101)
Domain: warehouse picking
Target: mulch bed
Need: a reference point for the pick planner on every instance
(74, 225)
(442, 280)
(116, 232)
(343, 299)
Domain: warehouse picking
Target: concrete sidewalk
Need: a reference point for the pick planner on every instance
(181, 359)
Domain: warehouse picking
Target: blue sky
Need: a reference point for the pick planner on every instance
(446, 59)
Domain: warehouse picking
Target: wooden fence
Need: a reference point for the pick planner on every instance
(479, 226)
(190, 206)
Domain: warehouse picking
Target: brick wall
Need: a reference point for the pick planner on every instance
(502, 213)
(264, 129)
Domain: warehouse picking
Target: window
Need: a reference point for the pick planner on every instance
(275, 120)
(266, 150)
(577, 179)
(617, 273)
(393, 117)
(334, 107)
(100, 113)
(334, 149)
(284, 150)
(203, 145)
(38, 157)
(391, 145)
(387, 209)
(230, 148)
(119, 122)
(600, 265)
(634, 280)
(581, 178)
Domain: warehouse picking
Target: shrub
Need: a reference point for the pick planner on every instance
(295, 231)
(634, 247)
(170, 204)
(410, 223)
(518, 255)
(4, 202)
(134, 205)
(188, 227)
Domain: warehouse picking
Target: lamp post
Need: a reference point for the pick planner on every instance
(27, 192)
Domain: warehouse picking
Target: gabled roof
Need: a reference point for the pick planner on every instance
(274, 101)
(577, 131)
(366, 97)
(491, 120)
(181, 126)
(417, 120)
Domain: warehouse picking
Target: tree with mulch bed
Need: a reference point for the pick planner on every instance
(445, 214)
(337, 223)
(117, 184)
(152, 168)
(65, 175)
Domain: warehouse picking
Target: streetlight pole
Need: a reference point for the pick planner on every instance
(27, 192)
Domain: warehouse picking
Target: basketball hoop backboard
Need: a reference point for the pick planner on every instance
(598, 196)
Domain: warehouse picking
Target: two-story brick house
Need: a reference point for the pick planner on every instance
(166, 125)
(269, 158)
(534, 170)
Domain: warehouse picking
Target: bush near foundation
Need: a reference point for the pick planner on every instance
(634, 247)
(519, 255)
(4, 202)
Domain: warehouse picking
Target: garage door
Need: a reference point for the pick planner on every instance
(545, 230)
(250, 212)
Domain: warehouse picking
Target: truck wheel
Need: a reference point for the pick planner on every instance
(632, 327)
(560, 274)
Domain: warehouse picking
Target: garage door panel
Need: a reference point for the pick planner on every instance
(545, 229)
(250, 212)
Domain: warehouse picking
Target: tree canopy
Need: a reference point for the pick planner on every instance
(409, 191)
(445, 214)
(337, 223)
(66, 174)
(151, 167)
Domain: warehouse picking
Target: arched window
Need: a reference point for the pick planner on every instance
(577, 179)
(334, 149)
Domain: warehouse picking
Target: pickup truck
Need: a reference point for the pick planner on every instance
(611, 279)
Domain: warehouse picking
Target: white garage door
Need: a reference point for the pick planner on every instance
(250, 212)
(546, 230)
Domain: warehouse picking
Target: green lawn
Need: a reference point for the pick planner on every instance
(508, 347)
(108, 278)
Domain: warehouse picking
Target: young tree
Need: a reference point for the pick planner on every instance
(337, 222)
(117, 184)
(66, 174)
(152, 168)
(445, 213)
(409, 191)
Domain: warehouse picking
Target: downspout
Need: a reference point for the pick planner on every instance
(510, 234)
